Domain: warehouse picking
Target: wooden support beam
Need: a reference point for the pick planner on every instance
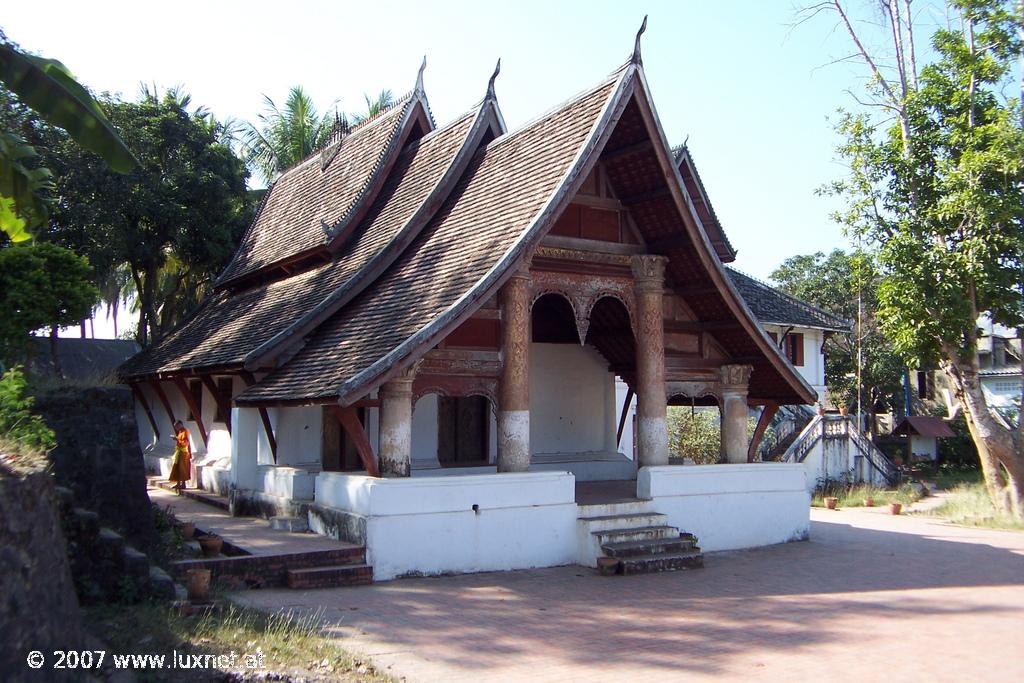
(367, 403)
(349, 420)
(141, 398)
(622, 417)
(268, 428)
(193, 407)
(223, 406)
(695, 290)
(767, 413)
(163, 399)
(628, 150)
(650, 195)
(676, 241)
(684, 362)
(701, 325)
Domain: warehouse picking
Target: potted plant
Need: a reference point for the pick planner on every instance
(188, 530)
(844, 410)
(869, 502)
(211, 545)
(197, 581)
(831, 502)
(895, 508)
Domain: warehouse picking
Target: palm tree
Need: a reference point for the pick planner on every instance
(384, 99)
(286, 136)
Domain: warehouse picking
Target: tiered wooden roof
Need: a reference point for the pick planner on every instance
(433, 230)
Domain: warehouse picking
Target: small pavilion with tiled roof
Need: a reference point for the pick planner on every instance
(414, 303)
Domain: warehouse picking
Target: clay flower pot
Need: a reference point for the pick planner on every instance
(869, 502)
(197, 581)
(607, 565)
(211, 545)
(831, 503)
(895, 508)
(844, 411)
(188, 530)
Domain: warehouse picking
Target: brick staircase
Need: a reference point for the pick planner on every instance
(629, 538)
(303, 570)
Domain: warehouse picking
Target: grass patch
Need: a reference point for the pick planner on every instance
(969, 504)
(293, 647)
(854, 495)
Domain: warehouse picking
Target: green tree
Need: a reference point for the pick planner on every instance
(48, 88)
(935, 187)
(172, 223)
(375, 105)
(41, 286)
(846, 286)
(287, 135)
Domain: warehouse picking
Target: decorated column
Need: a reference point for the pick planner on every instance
(652, 430)
(735, 381)
(396, 425)
(514, 392)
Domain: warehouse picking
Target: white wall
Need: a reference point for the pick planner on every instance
(924, 446)
(572, 400)
(731, 506)
(298, 431)
(626, 442)
(424, 434)
(813, 369)
(428, 525)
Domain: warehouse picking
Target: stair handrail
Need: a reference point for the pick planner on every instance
(803, 444)
(875, 457)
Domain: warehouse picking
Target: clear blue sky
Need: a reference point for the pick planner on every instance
(750, 92)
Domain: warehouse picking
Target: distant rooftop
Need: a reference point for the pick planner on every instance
(774, 307)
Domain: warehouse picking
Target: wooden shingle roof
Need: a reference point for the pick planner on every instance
(773, 307)
(450, 266)
(230, 325)
(312, 203)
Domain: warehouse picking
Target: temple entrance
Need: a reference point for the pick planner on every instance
(462, 430)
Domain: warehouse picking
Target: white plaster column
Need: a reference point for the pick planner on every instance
(652, 429)
(246, 427)
(395, 447)
(514, 389)
(735, 381)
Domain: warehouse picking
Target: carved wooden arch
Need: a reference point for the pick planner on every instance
(693, 390)
(574, 303)
(486, 387)
(623, 297)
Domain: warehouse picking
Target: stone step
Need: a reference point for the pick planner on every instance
(635, 534)
(331, 577)
(661, 562)
(625, 521)
(198, 495)
(292, 524)
(654, 546)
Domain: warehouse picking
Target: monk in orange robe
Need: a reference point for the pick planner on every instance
(181, 467)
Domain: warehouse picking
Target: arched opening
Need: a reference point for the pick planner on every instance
(453, 431)
(553, 321)
(611, 333)
(694, 428)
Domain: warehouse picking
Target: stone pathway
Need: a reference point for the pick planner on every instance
(870, 597)
(251, 534)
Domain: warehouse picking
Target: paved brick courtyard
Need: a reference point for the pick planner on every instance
(870, 597)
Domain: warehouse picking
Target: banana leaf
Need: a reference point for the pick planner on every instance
(48, 87)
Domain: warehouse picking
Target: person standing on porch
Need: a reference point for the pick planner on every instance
(181, 467)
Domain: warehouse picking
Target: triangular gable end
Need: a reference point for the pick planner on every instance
(630, 91)
(277, 244)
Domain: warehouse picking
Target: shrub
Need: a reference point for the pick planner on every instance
(17, 423)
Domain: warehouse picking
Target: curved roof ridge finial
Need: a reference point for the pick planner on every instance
(636, 45)
(490, 83)
(419, 76)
